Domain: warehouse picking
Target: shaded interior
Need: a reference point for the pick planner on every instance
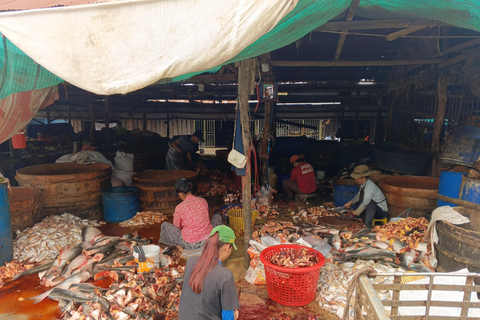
(62, 169)
(412, 182)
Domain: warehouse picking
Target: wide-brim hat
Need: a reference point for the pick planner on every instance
(361, 171)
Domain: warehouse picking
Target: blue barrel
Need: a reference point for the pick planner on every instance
(449, 186)
(462, 146)
(344, 190)
(282, 177)
(470, 189)
(6, 239)
(120, 204)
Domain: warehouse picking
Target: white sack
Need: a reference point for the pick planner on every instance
(123, 46)
(125, 176)
(124, 161)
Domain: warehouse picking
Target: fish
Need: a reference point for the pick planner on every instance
(408, 258)
(65, 294)
(104, 248)
(336, 242)
(64, 257)
(85, 287)
(379, 244)
(398, 247)
(90, 234)
(76, 263)
(33, 270)
(76, 278)
(371, 254)
(328, 230)
(115, 255)
(420, 267)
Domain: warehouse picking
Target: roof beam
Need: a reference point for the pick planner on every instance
(403, 32)
(377, 24)
(282, 63)
(341, 40)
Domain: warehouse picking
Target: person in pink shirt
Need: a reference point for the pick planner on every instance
(191, 224)
(302, 180)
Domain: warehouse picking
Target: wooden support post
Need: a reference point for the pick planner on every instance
(265, 139)
(144, 115)
(440, 115)
(391, 103)
(92, 120)
(49, 118)
(69, 115)
(246, 78)
(107, 121)
(355, 125)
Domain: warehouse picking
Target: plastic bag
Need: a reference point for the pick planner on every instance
(256, 275)
(257, 245)
(302, 242)
(124, 161)
(324, 249)
(314, 240)
(265, 197)
(268, 241)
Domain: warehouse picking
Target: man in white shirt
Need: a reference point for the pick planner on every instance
(370, 198)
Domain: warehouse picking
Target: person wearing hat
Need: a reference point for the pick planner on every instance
(370, 198)
(183, 149)
(302, 180)
(209, 291)
(191, 224)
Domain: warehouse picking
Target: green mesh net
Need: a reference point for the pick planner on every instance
(20, 73)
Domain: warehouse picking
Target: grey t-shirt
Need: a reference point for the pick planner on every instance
(186, 145)
(218, 293)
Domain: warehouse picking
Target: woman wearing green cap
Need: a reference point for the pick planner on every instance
(209, 288)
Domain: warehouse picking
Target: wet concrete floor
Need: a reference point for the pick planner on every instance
(253, 298)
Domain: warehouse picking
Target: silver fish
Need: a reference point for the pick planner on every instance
(336, 242)
(397, 246)
(89, 235)
(76, 278)
(371, 254)
(407, 258)
(379, 244)
(36, 269)
(64, 257)
(419, 267)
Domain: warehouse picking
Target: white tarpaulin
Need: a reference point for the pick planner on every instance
(122, 46)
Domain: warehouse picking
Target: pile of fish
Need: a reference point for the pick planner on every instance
(219, 184)
(410, 231)
(312, 213)
(10, 269)
(140, 296)
(144, 218)
(335, 279)
(45, 239)
(130, 296)
(294, 258)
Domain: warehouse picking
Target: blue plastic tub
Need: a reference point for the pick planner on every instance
(6, 239)
(344, 190)
(120, 204)
(470, 190)
(282, 177)
(449, 186)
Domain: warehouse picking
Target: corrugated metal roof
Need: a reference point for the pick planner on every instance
(6, 5)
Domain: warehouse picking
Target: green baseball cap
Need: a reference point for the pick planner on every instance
(225, 234)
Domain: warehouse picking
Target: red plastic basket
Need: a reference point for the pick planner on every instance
(291, 286)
